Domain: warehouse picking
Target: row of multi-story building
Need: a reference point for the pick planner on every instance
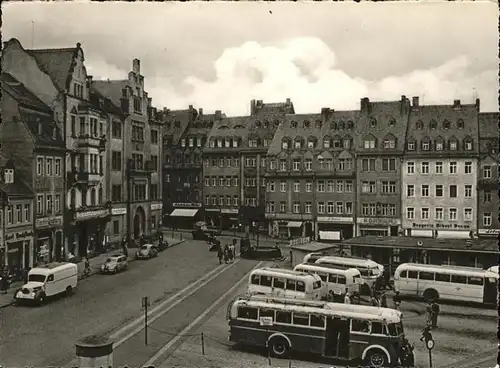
(81, 159)
(390, 168)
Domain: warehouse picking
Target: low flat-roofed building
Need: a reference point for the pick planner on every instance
(299, 251)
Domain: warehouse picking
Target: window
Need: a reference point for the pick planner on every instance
(116, 227)
(116, 130)
(116, 160)
(296, 186)
(468, 146)
(486, 219)
(348, 186)
(438, 214)
(49, 166)
(296, 207)
(116, 193)
(459, 279)
(389, 143)
(339, 208)
(453, 167)
(439, 145)
(283, 165)
(283, 317)
(388, 164)
(368, 164)
(411, 146)
(413, 274)
(329, 207)
(410, 213)
(39, 204)
(410, 190)
(284, 144)
(308, 164)
(388, 187)
(424, 213)
(228, 181)
(321, 207)
(453, 191)
(282, 207)
(439, 190)
(272, 165)
(369, 143)
(426, 145)
(487, 172)
(154, 191)
(474, 280)
(467, 214)
(426, 275)
(424, 168)
(340, 186)
(439, 167)
(452, 214)
(360, 326)
(247, 313)
(348, 208)
(308, 186)
(378, 328)
(468, 191)
(442, 277)
(487, 196)
(39, 166)
(468, 167)
(425, 190)
(321, 186)
(368, 187)
(410, 167)
(296, 164)
(300, 286)
(283, 186)
(221, 182)
(301, 319)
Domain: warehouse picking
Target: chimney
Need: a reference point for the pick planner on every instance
(149, 101)
(288, 101)
(136, 66)
(325, 113)
(365, 105)
(200, 111)
(456, 104)
(252, 107)
(414, 101)
(218, 114)
(190, 107)
(477, 104)
(89, 81)
(124, 101)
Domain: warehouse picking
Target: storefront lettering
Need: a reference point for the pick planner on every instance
(91, 214)
(226, 210)
(212, 210)
(489, 231)
(378, 221)
(335, 219)
(20, 235)
(49, 221)
(441, 226)
(118, 211)
(156, 206)
(195, 205)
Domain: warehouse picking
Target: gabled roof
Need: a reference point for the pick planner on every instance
(107, 105)
(19, 187)
(489, 124)
(56, 63)
(111, 89)
(21, 94)
(230, 127)
(170, 118)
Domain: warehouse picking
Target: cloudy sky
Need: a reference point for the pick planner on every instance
(222, 55)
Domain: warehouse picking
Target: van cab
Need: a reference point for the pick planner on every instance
(47, 281)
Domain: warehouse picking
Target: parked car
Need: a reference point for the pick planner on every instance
(146, 251)
(115, 264)
(47, 281)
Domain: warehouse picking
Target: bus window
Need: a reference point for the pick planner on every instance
(300, 286)
(279, 283)
(363, 272)
(290, 285)
(316, 285)
(443, 277)
(341, 280)
(459, 279)
(247, 313)
(301, 319)
(317, 321)
(332, 278)
(283, 317)
(393, 330)
(266, 280)
(255, 279)
(322, 276)
(472, 280)
(413, 274)
(426, 275)
(403, 274)
(360, 326)
(267, 313)
(377, 328)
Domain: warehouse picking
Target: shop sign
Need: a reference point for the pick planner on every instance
(442, 226)
(212, 210)
(492, 232)
(91, 214)
(335, 219)
(190, 205)
(378, 221)
(118, 211)
(49, 221)
(156, 206)
(227, 210)
(20, 235)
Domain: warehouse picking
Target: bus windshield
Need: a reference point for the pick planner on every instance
(395, 329)
(316, 285)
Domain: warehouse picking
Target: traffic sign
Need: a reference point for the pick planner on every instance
(430, 344)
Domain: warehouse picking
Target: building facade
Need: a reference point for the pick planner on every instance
(17, 249)
(487, 178)
(30, 135)
(140, 153)
(440, 169)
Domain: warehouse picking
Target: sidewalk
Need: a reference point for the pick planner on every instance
(95, 264)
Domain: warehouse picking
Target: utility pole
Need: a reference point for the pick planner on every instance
(145, 304)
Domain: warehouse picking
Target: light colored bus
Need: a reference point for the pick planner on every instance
(493, 269)
(334, 330)
(284, 283)
(334, 280)
(368, 269)
(446, 282)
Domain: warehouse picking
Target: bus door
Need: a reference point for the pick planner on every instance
(490, 290)
(337, 338)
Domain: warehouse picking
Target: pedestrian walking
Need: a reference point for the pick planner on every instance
(434, 314)
(347, 298)
(428, 311)
(226, 254)
(383, 301)
(5, 281)
(396, 299)
(220, 254)
(231, 252)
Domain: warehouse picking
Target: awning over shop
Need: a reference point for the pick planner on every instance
(450, 234)
(183, 212)
(294, 224)
(329, 235)
(422, 233)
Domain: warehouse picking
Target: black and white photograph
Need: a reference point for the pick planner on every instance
(241, 184)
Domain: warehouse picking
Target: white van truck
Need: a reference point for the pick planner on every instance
(47, 281)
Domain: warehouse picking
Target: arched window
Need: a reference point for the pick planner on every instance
(100, 195)
(285, 144)
(350, 125)
(433, 124)
(92, 197)
(307, 124)
(373, 122)
(333, 125)
(446, 124)
(298, 143)
(311, 142)
(392, 121)
(460, 124)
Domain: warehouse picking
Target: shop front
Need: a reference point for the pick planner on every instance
(19, 247)
(229, 218)
(378, 226)
(488, 233)
(440, 230)
(332, 229)
(156, 217)
(48, 235)
(117, 227)
(184, 215)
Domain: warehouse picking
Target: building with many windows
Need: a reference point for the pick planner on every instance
(29, 135)
(487, 177)
(141, 152)
(379, 144)
(440, 169)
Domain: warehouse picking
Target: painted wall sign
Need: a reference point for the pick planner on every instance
(156, 206)
(335, 219)
(49, 221)
(378, 221)
(191, 205)
(118, 211)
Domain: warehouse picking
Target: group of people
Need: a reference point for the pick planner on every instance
(432, 309)
(227, 253)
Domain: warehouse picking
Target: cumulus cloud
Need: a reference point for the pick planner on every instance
(305, 70)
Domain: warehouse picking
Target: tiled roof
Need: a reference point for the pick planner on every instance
(231, 127)
(111, 89)
(423, 117)
(107, 106)
(56, 63)
(175, 123)
(21, 94)
(19, 187)
(267, 117)
(388, 119)
(488, 245)
(489, 124)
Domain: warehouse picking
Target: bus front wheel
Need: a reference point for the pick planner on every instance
(376, 358)
(279, 347)
(431, 295)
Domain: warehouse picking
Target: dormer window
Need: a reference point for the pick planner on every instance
(9, 176)
(460, 124)
(392, 122)
(347, 141)
(411, 146)
(40, 128)
(227, 142)
(333, 125)
(318, 124)
(337, 142)
(341, 125)
(369, 143)
(453, 145)
(298, 143)
(307, 124)
(284, 144)
(219, 143)
(373, 123)
(235, 143)
(252, 143)
(468, 144)
(419, 125)
(439, 145)
(389, 143)
(350, 125)
(293, 124)
(446, 124)
(426, 145)
(183, 142)
(212, 143)
(433, 124)
(191, 142)
(311, 143)
(326, 143)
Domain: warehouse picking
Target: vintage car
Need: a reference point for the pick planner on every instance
(146, 251)
(115, 264)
